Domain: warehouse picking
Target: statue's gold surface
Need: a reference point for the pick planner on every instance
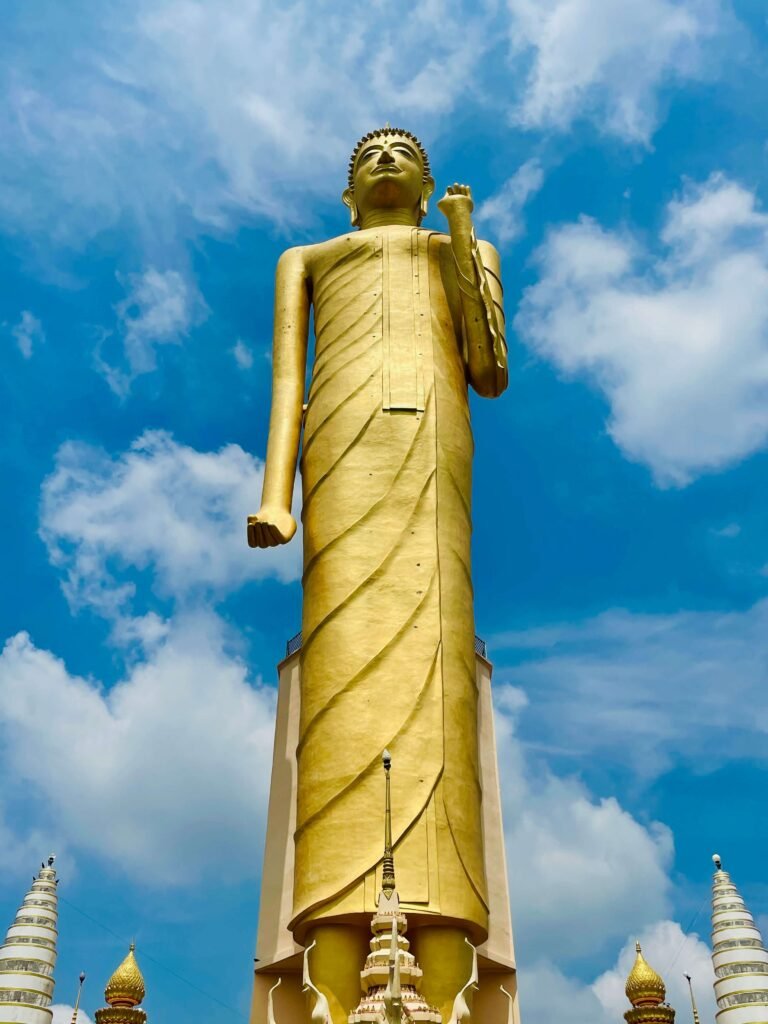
(404, 319)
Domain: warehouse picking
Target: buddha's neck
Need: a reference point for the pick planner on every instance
(382, 217)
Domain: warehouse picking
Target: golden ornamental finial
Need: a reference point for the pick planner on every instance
(388, 865)
(76, 1008)
(694, 1007)
(644, 986)
(126, 986)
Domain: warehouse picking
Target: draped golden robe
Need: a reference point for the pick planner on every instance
(388, 627)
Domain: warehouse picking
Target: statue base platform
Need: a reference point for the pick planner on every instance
(279, 956)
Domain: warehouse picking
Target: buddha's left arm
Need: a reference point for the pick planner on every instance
(478, 275)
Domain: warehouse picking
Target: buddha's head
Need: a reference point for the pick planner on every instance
(389, 169)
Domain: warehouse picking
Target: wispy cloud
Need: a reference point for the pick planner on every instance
(170, 115)
(609, 59)
(174, 115)
(676, 341)
(501, 214)
(678, 684)
(243, 354)
(28, 333)
(159, 309)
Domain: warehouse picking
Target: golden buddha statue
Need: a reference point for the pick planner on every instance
(404, 319)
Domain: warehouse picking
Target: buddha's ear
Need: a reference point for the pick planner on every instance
(348, 198)
(426, 192)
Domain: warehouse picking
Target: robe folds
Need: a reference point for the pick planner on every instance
(388, 659)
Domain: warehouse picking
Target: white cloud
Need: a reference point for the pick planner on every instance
(160, 506)
(679, 684)
(159, 309)
(23, 849)
(730, 531)
(243, 354)
(666, 948)
(182, 112)
(62, 1014)
(165, 775)
(547, 995)
(580, 869)
(28, 333)
(679, 345)
(672, 953)
(608, 59)
(501, 213)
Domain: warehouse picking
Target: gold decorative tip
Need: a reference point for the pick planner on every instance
(388, 864)
(126, 986)
(644, 986)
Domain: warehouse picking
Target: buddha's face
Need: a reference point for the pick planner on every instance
(389, 174)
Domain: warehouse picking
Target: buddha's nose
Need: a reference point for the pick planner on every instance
(385, 157)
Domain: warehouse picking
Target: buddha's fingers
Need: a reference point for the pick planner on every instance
(275, 536)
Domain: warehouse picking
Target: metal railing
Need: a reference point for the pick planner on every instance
(294, 644)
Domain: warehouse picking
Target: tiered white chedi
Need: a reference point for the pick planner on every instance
(28, 955)
(739, 957)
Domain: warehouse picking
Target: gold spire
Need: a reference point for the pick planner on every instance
(124, 991)
(646, 991)
(644, 986)
(391, 978)
(77, 1001)
(694, 1007)
(388, 865)
(126, 986)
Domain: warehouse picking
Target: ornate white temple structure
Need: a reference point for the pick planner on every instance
(28, 955)
(739, 956)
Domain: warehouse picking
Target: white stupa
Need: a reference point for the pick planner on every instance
(28, 955)
(739, 956)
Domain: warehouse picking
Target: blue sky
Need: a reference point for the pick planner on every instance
(156, 158)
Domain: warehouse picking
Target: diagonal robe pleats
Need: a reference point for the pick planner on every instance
(388, 626)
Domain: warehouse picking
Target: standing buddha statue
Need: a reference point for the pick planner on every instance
(405, 319)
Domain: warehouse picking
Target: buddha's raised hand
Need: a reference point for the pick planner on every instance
(457, 199)
(270, 527)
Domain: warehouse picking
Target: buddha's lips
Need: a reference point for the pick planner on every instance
(386, 167)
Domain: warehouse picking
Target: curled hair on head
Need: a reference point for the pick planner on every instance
(380, 133)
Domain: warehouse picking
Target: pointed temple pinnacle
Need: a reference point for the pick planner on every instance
(646, 992)
(28, 955)
(388, 865)
(76, 1008)
(739, 956)
(694, 1008)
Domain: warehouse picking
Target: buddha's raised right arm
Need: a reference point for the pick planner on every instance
(273, 523)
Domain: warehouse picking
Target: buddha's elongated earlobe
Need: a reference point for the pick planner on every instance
(348, 198)
(426, 192)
